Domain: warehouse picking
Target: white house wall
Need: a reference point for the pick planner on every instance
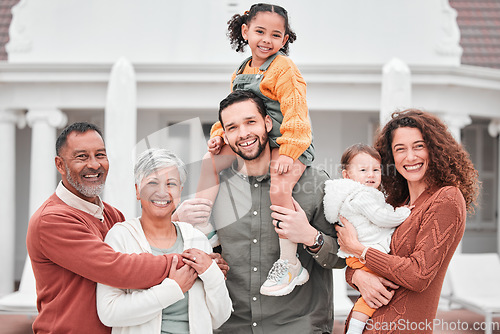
(343, 102)
(357, 32)
(61, 53)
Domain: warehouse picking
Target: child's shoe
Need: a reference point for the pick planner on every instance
(283, 277)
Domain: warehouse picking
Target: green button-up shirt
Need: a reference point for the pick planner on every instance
(242, 218)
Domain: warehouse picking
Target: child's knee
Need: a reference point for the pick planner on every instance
(207, 156)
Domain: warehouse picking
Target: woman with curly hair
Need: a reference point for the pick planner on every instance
(427, 169)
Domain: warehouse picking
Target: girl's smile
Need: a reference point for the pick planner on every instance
(265, 35)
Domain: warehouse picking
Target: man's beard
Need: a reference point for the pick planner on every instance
(262, 142)
(86, 191)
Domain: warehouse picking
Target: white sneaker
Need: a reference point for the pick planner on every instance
(283, 277)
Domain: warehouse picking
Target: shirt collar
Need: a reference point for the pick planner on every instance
(95, 210)
(259, 178)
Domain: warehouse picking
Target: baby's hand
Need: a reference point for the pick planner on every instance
(215, 145)
(283, 164)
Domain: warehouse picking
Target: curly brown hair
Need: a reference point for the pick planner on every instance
(449, 163)
(235, 23)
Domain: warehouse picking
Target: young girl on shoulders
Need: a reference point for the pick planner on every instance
(276, 79)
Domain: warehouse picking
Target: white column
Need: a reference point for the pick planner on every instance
(197, 148)
(456, 123)
(8, 121)
(43, 123)
(494, 131)
(120, 130)
(396, 89)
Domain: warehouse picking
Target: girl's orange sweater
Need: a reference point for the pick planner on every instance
(283, 82)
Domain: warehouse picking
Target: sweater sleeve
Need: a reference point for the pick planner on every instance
(117, 308)
(379, 212)
(216, 130)
(442, 224)
(216, 294)
(349, 272)
(83, 252)
(286, 83)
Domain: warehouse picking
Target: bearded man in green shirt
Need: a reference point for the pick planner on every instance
(246, 227)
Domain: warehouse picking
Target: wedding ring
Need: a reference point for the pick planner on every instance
(278, 223)
(194, 259)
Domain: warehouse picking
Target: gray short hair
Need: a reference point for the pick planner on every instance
(154, 159)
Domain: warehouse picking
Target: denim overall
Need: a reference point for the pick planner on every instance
(252, 82)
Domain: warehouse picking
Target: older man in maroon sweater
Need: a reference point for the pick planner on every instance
(65, 241)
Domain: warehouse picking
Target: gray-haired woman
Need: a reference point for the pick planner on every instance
(194, 298)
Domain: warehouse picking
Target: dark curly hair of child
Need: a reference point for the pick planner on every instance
(235, 23)
(449, 163)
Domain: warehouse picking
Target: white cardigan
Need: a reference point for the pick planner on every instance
(140, 311)
(365, 208)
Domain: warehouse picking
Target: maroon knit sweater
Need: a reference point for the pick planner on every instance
(421, 249)
(69, 256)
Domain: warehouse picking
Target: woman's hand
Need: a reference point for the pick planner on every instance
(223, 266)
(197, 259)
(376, 290)
(184, 276)
(347, 237)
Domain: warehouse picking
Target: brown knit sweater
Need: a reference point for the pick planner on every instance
(421, 249)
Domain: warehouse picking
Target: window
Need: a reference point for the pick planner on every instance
(483, 150)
